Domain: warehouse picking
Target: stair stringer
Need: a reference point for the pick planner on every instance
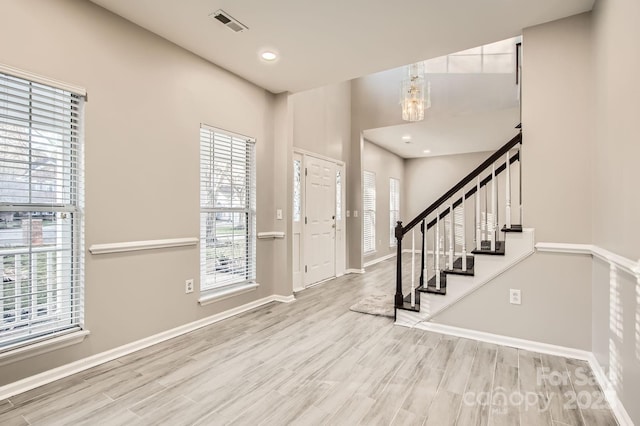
(518, 246)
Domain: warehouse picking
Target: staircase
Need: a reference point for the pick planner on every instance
(456, 245)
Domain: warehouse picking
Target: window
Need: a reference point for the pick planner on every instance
(394, 209)
(338, 195)
(41, 211)
(297, 190)
(369, 207)
(227, 209)
(494, 58)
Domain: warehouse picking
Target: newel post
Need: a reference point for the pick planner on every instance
(399, 299)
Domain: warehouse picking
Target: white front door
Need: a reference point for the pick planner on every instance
(319, 227)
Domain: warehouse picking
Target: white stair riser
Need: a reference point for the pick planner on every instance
(518, 246)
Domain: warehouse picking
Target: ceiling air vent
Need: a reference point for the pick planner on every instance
(228, 20)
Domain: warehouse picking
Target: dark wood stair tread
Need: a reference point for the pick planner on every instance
(406, 306)
(431, 285)
(513, 228)
(457, 267)
(498, 251)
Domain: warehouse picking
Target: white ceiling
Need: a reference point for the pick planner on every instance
(477, 131)
(330, 41)
(470, 112)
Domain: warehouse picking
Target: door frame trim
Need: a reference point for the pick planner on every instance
(304, 154)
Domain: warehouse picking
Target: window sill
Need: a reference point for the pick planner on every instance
(43, 346)
(217, 295)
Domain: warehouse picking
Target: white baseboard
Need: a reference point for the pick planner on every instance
(610, 393)
(612, 398)
(354, 271)
(63, 371)
(498, 339)
(284, 299)
(378, 260)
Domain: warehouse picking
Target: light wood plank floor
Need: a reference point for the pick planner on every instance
(315, 362)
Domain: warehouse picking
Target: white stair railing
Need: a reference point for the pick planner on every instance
(485, 184)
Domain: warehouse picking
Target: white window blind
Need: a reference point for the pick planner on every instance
(369, 207)
(227, 209)
(394, 209)
(297, 190)
(41, 211)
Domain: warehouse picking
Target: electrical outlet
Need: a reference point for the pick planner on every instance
(515, 297)
(188, 286)
(355, 213)
(348, 213)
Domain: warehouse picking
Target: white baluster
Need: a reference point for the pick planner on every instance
(437, 250)
(425, 275)
(464, 236)
(452, 224)
(478, 219)
(435, 245)
(485, 229)
(413, 267)
(520, 183)
(507, 201)
(495, 209)
(491, 230)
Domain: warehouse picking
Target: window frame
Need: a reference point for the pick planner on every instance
(211, 269)
(47, 116)
(368, 212)
(394, 209)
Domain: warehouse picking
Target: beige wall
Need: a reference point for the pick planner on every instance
(427, 179)
(556, 302)
(282, 191)
(322, 120)
(321, 124)
(147, 98)
(385, 165)
(557, 129)
(616, 206)
(616, 331)
(374, 103)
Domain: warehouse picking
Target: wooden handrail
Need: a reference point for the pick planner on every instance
(501, 168)
(460, 185)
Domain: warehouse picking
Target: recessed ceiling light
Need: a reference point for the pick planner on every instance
(268, 55)
(427, 151)
(406, 138)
